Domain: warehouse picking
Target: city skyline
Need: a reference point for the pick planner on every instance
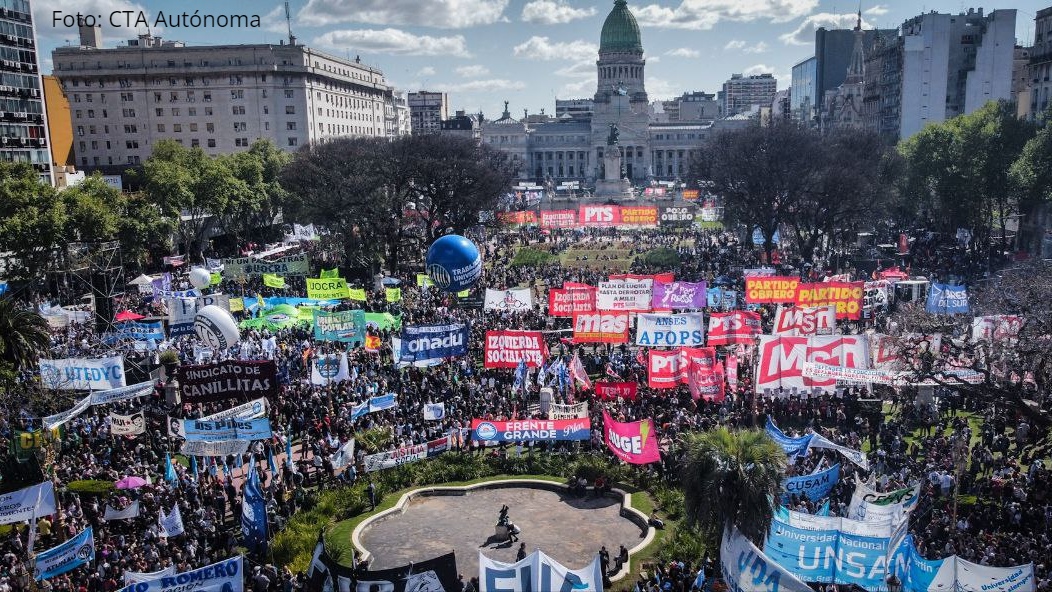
(528, 52)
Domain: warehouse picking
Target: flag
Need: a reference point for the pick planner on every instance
(215, 279)
(520, 374)
(610, 372)
(259, 302)
(254, 514)
(330, 273)
(272, 281)
(226, 469)
(394, 294)
(171, 524)
(270, 461)
(288, 451)
(169, 469)
(564, 376)
(641, 357)
(542, 375)
(193, 466)
(213, 467)
(578, 372)
(824, 510)
(344, 456)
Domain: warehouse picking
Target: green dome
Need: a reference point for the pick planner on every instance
(620, 31)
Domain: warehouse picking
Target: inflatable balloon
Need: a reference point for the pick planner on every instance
(454, 263)
(200, 278)
(215, 327)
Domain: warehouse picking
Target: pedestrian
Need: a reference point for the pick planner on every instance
(522, 552)
(372, 495)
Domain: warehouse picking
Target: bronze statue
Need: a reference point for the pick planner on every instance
(611, 140)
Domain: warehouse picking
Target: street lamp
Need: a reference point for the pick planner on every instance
(894, 583)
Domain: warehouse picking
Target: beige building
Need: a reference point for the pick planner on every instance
(427, 111)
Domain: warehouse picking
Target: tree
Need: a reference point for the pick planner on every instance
(191, 187)
(23, 335)
(1012, 367)
(251, 213)
(1031, 178)
(956, 172)
(731, 478)
(32, 222)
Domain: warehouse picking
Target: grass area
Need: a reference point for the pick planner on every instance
(338, 539)
(617, 259)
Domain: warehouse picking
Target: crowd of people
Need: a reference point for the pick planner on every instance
(1007, 524)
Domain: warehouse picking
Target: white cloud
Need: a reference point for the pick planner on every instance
(683, 52)
(472, 71)
(653, 60)
(704, 14)
(490, 85)
(804, 33)
(734, 44)
(758, 69)
(577, 90)
(760, 47)
(443, 14)
(394, 41)
(578, 70)
(542, 48)
(660, 89)
(274, 21)
(878, 10)
(43, 16)
(426, 71)
(553, 12)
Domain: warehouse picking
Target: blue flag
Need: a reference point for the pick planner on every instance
(288, 451)
(520, 374)
(193, 466)
(270, 462)
(947, 299)
(75, 552)
(824, 510)
(254, 514)
(169, 469)
(213, 467)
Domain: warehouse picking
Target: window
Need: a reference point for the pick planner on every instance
(124, 112)
(208, 111)
(240, 126)
(175, 111)
(160, 128)
(210, 128)
(132, 144)
(290, 110)
(266, 110)
(177, 127)
(79, 114)
(189, 81)
(173, 97)
(195, 143)
(290, 126)
(192, 111)
(156, 97)
(237, 94)
(193, 127)
(94, 144)
(126, 97)
(208, 97)
(91, 129)
(289, 93)
(293, 141)
(108, 147)
(130, 129)
(239, 109)
(211, 143)
(159, 112)
(190, 97)
(266, 125)
(76, 98)
(83, 146)
(105, 114)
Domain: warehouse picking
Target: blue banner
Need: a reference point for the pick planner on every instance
(815, 486)
(359, 411)
(431, 342)
(140, 331)
(70, 555)
(382, 402)
(224, 430)
(721, 298)
(346, 326)
(947, 299)
(254, 514)
(792, 446)
(829, 556)
(915, 572)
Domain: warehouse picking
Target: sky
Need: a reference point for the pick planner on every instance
(527, 52)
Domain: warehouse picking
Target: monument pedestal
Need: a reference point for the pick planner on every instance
(612, 186)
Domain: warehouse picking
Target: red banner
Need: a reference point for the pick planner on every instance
(600, 327)
(564, 302)
(600, 215)
(517, 217)
(610, 391)
(639, 215)
(666, 277)
(705, 379)
(668, 369)
(737, 326)
(771, 290)
(846, 296)
(504, 349)
(558, 218)
(781, 360)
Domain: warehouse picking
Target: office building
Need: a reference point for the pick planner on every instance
(954, 64)
(1039, 68)
(23, 122)
(220, 98)
(427, 111)
(692, 106)
(573, 108)
(742, 93)
(802, 93)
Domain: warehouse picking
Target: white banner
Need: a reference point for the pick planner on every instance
(624, 295)
(127, 425)
(868, 505)
(396, 457)
(53, 421)
(516, 300)
(134, 577)
(996, 327)
(670, 330)
(344, 456)
(875, 529)
(82, 374)
(747, 569)
(538, 572)
(170, 524)
(805, 320)
(251, 410)
(578, 411)
(434, 411)
(328, 369)
(225, 576)
(132, 511)
(131, 391)
(856, 456)
(972, 577)
(781, 360)
(200, 448)
(28, 503)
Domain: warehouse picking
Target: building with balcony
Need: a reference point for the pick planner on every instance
(23, 121)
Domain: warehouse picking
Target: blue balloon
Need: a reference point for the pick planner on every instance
(454, 263)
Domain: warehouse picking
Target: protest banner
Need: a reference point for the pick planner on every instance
(599, 216)
(127, 513)
(558, 218)
(227, 380)
(639, 216)
(635, 442)
(947, 299)
(745, 568)
(845, 296)
(27, 503)
(737, 326)
(67, 556)
(600, 327)
(345, 326)
(771, 290)
(406, 454)
(430, 342)
(504, 349)
(83, 374)
(220, 430)
(781, 360)
(538, 572)
(610, 391)
(292, 265)
(564, 302)
(678, 295)
(542, 430)
(805, 320)
(576, 411)
(251, 410)
(670, 330)
(224, 576)
(519, 299)
(624, 295)
(327, 288)
(814, 486)
(127, 425)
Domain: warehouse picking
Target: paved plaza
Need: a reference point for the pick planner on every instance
(569, 529)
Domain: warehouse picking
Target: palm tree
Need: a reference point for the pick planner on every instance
(23, 335)
(731, 478)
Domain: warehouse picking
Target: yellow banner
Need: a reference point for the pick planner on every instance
(356, 294)
(327, 288)
(423, 280)
(237, 305)
(330, 273)
(394, 294)
(216, 278)
(464, 293)
(273, 281)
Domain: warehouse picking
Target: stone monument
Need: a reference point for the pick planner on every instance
(613, 185)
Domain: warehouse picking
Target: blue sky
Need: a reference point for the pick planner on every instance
(529, 51)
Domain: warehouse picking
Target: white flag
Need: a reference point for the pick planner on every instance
(434, 411)
(171, 524)
(344, 456)
(126, 514)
